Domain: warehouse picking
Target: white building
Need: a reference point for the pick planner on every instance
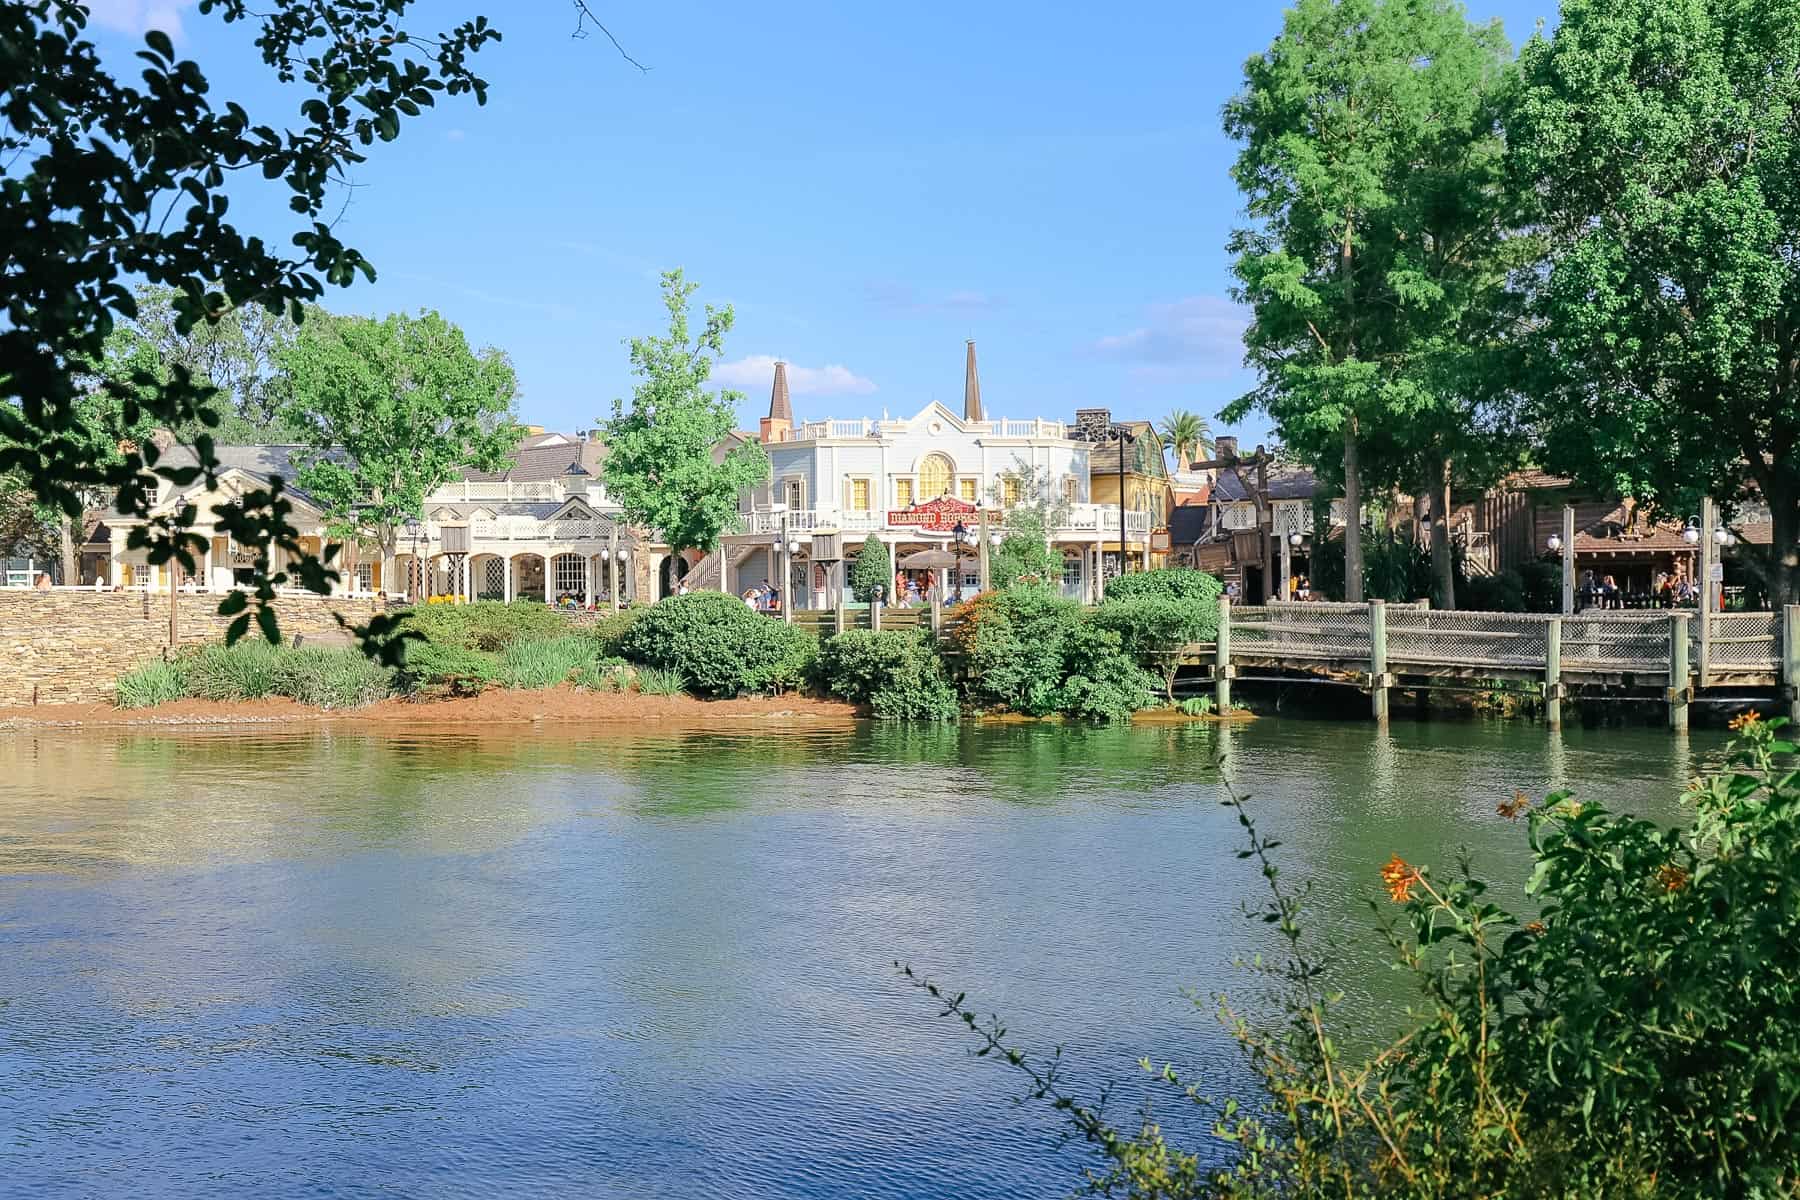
(906, 482)
(542, 529)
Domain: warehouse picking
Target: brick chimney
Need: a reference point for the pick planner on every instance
(1225, 448)
(780, 421)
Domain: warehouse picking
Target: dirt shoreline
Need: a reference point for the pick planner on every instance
(498, 707)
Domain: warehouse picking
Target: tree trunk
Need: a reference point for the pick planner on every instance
(1353, 549)
(71, 570)
(1784, 550)
(1443, 563)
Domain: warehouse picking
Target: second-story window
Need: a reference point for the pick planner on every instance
(856, 495)
(903, 493)
(1069, 488)
(793, 493)
(935, 473)
(965, 489)
(1009, 491)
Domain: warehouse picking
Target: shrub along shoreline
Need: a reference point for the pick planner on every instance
(1020, 650)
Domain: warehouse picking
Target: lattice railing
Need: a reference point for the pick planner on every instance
(1311, 630)
(1746, 641)
(1616, 641)
(1476, 639)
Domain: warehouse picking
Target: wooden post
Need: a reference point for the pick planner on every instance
(1553, 674)
(612, 568)
(843, 613)
(1790, 663)
(1378, 681)
(1287, 568)
(937, 617)
(875, 612)
(1222, 659)
(1568, 560)
(174, 599)
(1709, 554)
(1678, 672)
(787, 575)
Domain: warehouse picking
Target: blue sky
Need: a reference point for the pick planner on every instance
(868, 186)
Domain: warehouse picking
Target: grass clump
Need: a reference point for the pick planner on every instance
(544, 664)
(658, 681)
(148, 684)
(607, 675)
(246, 671)
(328, 678)
(448, 670)
(486, 625)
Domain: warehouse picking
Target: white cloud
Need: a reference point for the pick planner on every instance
(138, 16)
(1204, 333)
(758, 371)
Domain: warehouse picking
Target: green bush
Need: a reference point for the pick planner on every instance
(872, 568)
(486, 624)
(654, 681)
(430, 667)
(1011, 645)
(1197, 706)
(1541, 581)
(1024, 556)
(1166, 583)
(895, 673)
(246, 671)
(609, 631)
(1638, 1037)
(1155, 627)
(330, 678)
(719, 645)
(543, 664)
(1100, 680)
(152, 683)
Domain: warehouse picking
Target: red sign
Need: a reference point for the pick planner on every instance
(940, 515)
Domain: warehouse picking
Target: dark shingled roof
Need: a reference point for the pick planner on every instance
(261, 461)
(546, 456)
(1188, 523)
(1286, 482)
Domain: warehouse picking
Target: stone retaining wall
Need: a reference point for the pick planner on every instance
(69, 646)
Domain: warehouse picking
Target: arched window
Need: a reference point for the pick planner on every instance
(936, 472)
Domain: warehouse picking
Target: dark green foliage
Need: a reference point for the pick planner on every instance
(895, 673)
(1012, 648)
(455, 670)
(1100, 680)
(872, 569)
(1541, 582)
(609, 631)
(1029, 651)
(720, 646)
(125, 168)
(1154, 629)
(329, 678)
(486, 624)
(1395, 568)
(1504, 592)
(1175, 583)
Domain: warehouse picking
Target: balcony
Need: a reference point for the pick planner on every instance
(867, 427)
(1096, 519)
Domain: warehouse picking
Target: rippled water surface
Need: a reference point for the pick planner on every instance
(629, 964)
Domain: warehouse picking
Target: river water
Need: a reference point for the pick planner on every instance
(629, 963)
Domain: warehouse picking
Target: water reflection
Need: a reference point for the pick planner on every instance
(655, 961)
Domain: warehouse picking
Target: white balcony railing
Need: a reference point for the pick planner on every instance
(866, 427)
(1083, 518)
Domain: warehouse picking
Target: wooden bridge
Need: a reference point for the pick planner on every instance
(1666, 654)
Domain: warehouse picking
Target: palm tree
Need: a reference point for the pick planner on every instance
(1188, 433)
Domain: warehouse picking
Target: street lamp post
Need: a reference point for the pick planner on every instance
(1288, 544)
(959, 534)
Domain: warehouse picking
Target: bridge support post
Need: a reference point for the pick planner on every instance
(1790, 664)
(1378, 672)
(875, 613)
(1553, 715)
(1678, 672)
(1222, 660)
(937, 617)
(843, 613)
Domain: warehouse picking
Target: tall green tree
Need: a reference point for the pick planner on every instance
(1378, 241)
(110, 175)
(1661, 138)
(663, 465)
(391, 410)
(1186, 433)
(872, 569)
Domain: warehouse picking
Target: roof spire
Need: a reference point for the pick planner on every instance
(971, 388)
(779, 408)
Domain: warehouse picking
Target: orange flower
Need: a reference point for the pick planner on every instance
(1744, 720)
(1534, 927)
(1672, 878)
(1514, 808)
(1399, 878)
